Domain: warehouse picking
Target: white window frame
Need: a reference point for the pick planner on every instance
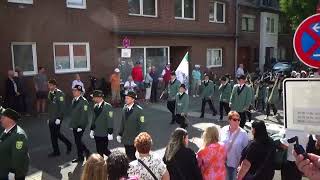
(141, 10)
(21, 1)
(212, 49)
(248, 16)
(71, 55)
(34, 55)
(215, 12)
(182, 13)
(83, 6)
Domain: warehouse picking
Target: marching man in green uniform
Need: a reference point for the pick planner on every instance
(79, 121)
(240, 99)
(102, 123)
(206, 95)
(132, 123)
(272, 98)
(56, 107)
(182, 107)
(14, 156)
(173, 89)
(224, 96)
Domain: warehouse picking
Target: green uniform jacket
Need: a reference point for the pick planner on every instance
(132, 123)
(79, 114)
(272, 98)
(182, 103)
(173, 89)
(207, 90)
(261, 93)
(225, 92)
(251, 93)
(102, 125)
(56, 105)
(240, 102)
(14, 156)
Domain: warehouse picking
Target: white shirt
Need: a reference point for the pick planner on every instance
(234, 155)
(130, 106)
(239, 72)
(129, 85)
(98, 104)
(8, 130)
(76, 99)
(78, 82)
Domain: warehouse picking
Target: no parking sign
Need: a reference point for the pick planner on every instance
(306, 41)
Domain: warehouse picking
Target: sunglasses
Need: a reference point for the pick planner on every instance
(235, 119)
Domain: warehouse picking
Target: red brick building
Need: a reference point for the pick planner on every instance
(81, 36)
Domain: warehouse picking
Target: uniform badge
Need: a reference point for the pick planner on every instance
(19, 144)
(142, 119)
(61, 98)
(85, 108)
(110, 114)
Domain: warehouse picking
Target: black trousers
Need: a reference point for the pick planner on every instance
(102, 145)
(290, 171)
(242, 118)
(211, 105)
(274, 108)
(225, 106)
(55, 135)
(154, 89)
(260, 103)
(130, 152)
(81, 148)
(181, 120)
(171, 105)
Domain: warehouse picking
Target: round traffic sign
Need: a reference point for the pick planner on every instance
(306, 41)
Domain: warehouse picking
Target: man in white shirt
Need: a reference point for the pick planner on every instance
(236, 139)
(129, 85)
(240, 71)
(78, 81)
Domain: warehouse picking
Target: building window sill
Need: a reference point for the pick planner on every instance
(142, 15)
(182, 18)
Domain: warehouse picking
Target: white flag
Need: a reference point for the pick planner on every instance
(182, 72)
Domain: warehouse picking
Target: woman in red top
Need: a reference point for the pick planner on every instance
(212, 157)
(137, 74)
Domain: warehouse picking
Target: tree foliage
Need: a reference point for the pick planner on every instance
(297, 10)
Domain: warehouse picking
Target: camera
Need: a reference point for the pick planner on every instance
(297, 147)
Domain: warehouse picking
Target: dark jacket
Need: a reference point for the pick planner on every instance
(184, 166)
(10, 88)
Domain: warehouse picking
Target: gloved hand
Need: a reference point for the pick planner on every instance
(79, 130)
(71, 129)
(119, 139)
(58, 121)
(92, 134)
(11, 176)
(110, 137)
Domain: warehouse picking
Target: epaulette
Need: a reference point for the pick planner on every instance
(139, 107)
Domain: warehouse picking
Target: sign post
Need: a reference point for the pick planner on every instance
(126, 51)
(306, 41)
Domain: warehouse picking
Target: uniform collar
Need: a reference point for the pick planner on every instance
(6, 131)
(77, 98)
(98, 104)
(130, 107)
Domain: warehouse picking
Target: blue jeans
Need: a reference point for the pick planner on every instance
(231, 173)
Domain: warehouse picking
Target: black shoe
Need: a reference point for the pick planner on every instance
(221, 118)
(69, 149)
(202, 116)
(78, 160)
(172, 122)
(214, 114)
(53, 154)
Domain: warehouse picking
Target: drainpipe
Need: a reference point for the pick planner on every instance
(237, 37)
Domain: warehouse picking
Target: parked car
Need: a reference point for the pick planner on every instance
(282, 67)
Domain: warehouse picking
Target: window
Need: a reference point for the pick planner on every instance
(281, 53)
(78, 4)
(21, 1)
(143, 7)
(270, 25)
(283, 27)
(214, 58)
(217, 11)
(24, 55)
(71, 57)
(147, 56)
(248, 23)
(185, 9)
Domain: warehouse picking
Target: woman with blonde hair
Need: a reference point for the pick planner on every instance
(212, 156)
(95, 168)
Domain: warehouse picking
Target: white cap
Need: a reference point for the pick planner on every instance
(116, 70)
(197, 65)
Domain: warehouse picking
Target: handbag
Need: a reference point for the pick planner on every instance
(250, 176)
(148, 169)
